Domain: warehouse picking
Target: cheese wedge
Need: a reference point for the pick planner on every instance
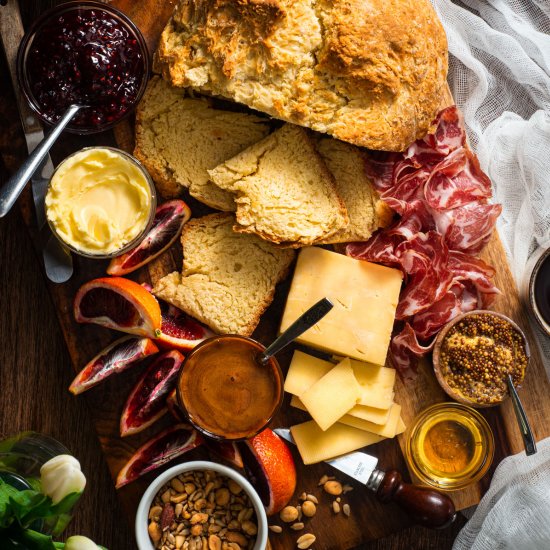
(304, 371)
(316, 445)
(333, 395)
(376, 416)
(389, 430)
(364, 295)
(376, 384)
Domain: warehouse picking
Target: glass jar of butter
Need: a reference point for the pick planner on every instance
(100, 202)
(450, 446)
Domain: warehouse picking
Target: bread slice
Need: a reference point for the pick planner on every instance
(283, 190)
(228, 278)
(178, 138)
(366, 211)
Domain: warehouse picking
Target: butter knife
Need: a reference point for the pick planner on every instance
(424, 506)
(58, 262)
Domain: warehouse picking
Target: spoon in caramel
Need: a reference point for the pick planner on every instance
(309, 318)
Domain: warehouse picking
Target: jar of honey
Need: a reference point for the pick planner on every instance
(450, 446)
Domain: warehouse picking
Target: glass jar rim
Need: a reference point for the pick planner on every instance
(136, 240)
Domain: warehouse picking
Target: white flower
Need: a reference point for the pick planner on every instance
(80, 543)
(61, 476)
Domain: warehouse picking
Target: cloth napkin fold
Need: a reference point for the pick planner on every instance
(499, 73)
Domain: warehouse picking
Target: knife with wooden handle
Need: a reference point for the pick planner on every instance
(58, 262)
(423, 505)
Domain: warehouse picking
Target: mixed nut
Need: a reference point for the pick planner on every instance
(202, 510)
(293, 515)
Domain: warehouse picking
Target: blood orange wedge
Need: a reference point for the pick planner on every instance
(117, 357)
(173, 406)
(178, 330)
(170, 218)
(270, 468)
(147, 402)
(120, 304)
(169, 444)
(226, 450)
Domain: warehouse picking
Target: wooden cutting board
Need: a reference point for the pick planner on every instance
(369, 519)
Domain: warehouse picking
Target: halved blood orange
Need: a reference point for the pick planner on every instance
(147, 402)
(117, 357)
(166, 446)
(120, 304)
(178, 330)
(173, 406)
(269, 466)
(170, 218)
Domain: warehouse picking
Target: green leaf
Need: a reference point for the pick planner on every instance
(17, 538)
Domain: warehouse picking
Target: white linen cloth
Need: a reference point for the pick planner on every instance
(499, 73)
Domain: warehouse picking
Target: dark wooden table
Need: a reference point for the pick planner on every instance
(35, 370)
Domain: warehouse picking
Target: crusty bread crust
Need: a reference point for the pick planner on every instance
(367, 72)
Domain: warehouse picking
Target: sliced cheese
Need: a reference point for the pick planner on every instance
(388, 430)
(376, 416)
(400, 426)
(370, 414)
(364, 295)
(304, 371)
(376, 384)
(333, 395)
(316, 445)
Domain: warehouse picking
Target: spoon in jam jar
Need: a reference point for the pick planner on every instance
(13, 187)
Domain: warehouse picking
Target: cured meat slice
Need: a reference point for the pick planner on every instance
(455, 181)
(405, 351)
(424, 258)
(469, 227)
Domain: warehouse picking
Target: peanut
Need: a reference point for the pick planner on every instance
(309, 509)
(289, 514)
(305, 541)
(333, 487)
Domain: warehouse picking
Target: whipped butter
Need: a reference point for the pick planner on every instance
(99, 200)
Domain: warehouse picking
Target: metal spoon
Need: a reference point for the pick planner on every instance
(523, 423)
(309, 318)
(13, 187)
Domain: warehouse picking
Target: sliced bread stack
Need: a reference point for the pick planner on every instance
(228, 278)
(283, 191)
(179, 138)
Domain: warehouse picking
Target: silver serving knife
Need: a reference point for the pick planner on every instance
(58, 262)
(424, 506)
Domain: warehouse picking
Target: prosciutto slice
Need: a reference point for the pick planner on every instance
(441, 194)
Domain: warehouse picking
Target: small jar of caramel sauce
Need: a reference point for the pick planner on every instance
(450, 446)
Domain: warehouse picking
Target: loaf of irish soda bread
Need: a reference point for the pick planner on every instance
(228, 278)
(283, 190)
(367, 72)
(178, 138)
(366, 211)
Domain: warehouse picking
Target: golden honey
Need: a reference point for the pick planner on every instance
(450, 446)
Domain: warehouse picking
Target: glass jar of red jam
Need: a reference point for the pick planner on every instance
(86, 53)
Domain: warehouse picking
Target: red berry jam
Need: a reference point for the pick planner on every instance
(89, 56)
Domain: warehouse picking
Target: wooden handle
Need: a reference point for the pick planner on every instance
(425, 506)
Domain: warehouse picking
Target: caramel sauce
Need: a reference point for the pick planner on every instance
(226, 392)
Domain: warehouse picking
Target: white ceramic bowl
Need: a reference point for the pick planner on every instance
(142, 521)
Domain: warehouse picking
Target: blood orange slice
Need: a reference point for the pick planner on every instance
(147, 402)
(270, 468)
(117, 357)
(174, 407)
(178, 330)
(226, 450)
(166, 446)
(170, 218)
(120, 304)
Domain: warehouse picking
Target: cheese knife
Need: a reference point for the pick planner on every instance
(424, 506)
(58, 262)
